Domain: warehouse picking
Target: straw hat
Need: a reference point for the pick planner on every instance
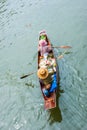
(42, 73)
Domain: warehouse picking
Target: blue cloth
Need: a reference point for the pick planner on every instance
(54, 84)
(46, 92)
(52, 88)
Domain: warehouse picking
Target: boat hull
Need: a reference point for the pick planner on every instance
(49, 102)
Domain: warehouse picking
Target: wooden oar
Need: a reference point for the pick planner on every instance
(62, 55)
(27, 75)
(59, 57)
(65, 47)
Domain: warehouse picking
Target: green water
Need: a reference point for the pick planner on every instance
(21, 102)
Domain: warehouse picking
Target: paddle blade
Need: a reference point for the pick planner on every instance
(27, 75)
(65, 47)
(61, 56)
(24, 76)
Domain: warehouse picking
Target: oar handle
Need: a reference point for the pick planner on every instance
(59, 57)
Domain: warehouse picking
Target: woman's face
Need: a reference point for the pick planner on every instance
(47, 86)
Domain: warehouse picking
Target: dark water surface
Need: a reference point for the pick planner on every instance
(21, 102)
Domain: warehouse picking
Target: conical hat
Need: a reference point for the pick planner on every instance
(42, 73)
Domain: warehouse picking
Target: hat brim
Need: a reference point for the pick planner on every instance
(42, 76)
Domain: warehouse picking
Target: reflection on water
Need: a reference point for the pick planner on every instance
(21, 101)
(55, 114)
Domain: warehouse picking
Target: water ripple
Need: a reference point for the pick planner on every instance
(21, 101)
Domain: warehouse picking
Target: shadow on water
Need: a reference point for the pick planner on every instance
(55, 113)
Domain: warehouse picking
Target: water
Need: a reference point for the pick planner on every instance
(21, 102)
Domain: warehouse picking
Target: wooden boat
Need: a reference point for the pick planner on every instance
(49, 102)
